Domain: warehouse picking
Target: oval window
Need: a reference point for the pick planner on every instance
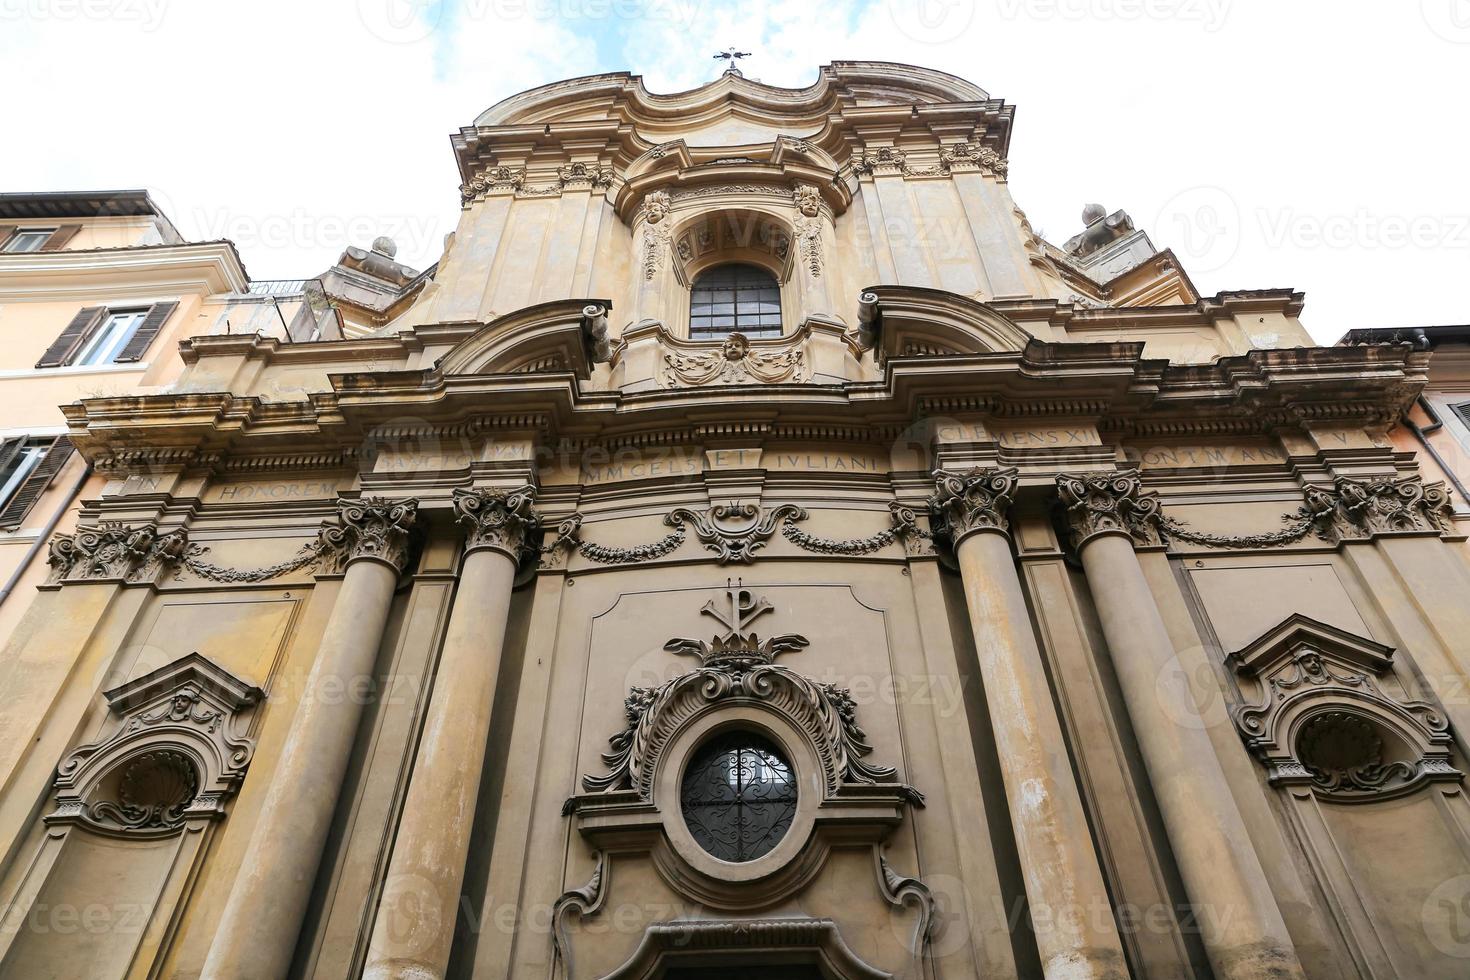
(738, 796)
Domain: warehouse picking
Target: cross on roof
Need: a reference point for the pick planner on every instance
(731, 55)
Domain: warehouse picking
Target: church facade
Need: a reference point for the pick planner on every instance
(751, 549)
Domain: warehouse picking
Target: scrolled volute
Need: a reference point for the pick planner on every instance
(976, 500)
(1109, 503)
(499, 520)
(370, 529)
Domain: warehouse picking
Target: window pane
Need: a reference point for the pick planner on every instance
(28, 240)
(735, 297)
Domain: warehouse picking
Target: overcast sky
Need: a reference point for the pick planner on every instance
(1316, 145)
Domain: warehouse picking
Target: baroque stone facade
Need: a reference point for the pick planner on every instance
(710, 568)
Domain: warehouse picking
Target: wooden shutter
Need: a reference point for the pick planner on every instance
(71, 338)
(158, 314)
(60, 237)
(25, 497)
(9, 448)
(5, 232)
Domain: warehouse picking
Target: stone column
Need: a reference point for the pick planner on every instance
(1072, 915)
(1239, 922)
(257, 933)
(414, 928)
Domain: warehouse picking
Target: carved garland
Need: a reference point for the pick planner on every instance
(1350, 510)
(735, 532)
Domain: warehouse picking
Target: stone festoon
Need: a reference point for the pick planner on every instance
(749, 547)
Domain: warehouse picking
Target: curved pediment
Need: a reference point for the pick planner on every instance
(909, 321)
(567, 335)
(730, 99)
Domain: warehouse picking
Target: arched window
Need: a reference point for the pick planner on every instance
(734, 298)
(738, 796)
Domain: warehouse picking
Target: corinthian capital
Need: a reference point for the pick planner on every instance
(499, 519)
(1109, 503)
(1383, 505)
(373, 528)
(977, 500)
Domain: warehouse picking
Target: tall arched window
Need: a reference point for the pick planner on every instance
(734, 298)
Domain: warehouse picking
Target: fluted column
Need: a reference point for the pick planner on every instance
(414, 928)
(1074, 926)
(1239, 921)
(257, 933)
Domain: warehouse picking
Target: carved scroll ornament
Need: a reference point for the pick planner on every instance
(737, 664)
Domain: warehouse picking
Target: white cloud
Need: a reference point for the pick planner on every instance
(1270, 144)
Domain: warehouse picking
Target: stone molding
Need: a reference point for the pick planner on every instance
(972, 501)
(173, 757)
(1324, 722)
(742, 937)
(499, 520)
(370, 529)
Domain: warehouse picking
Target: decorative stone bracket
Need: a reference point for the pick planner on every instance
(173, 757)
(1322, 720)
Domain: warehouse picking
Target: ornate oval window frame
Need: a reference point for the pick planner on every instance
(718, 719)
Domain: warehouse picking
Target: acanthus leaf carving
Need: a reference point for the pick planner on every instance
(976, 500)
(504, 520)
(1109, 503)
(370, 529)
(114, 550)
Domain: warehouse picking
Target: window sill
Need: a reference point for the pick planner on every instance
(137, 367)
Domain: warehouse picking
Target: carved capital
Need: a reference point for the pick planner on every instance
(1109, 503)
(1381, 505)
(372, 529)
(977, 500)
(112, 550)
(500, 520)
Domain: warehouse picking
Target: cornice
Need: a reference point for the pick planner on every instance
(208, 268)
(1114, 384)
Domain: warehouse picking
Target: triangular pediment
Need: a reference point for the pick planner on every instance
(1283, 642)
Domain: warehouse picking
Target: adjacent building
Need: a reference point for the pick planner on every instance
(751, 548)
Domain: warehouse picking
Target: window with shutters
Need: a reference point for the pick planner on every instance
(108, 339)
(98, 335)
(28, 239)
(27, 466)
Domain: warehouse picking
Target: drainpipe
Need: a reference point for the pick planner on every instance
(41, 539)
(1436, 423)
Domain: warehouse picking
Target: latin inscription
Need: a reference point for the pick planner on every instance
(237, 493)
